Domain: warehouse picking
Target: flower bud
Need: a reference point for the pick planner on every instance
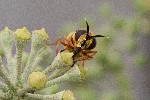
(83, 71)
(68, 95)
(42, 33)
(37, 80)
(67, 57)
(6, 30)
(6, 38)
(22, 34)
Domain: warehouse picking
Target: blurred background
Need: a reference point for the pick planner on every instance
(121, 69)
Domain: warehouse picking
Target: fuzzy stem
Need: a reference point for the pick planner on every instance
(57, 80)
(3, 96)
(73, 74)
(37, 43)
(57, 96)
(3, 86)
(34, 65)
(9, 61)
(23, 90)
(41, 53)
(56, 64)
(19, 48)
(10, 65)
(58, 72)
(5, 75)
(6, 41)
(26, 71)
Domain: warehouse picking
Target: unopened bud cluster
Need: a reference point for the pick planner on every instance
(21, 79)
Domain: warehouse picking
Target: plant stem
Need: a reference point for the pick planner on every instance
(57, 96)
(27, 69)
(56, 64)
(19, 48)
(73, 74)
(5, 75)
(3, 96)
(3, 86)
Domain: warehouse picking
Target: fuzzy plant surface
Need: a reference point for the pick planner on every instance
(20, 78)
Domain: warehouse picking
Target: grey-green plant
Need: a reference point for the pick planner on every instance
(23, 76)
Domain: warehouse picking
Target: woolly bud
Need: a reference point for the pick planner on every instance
(67, 57)
(42, 33)
(22, 34)
(68, 95)
(83, 71)
(39, 39)
(6, 38)
(37, 80)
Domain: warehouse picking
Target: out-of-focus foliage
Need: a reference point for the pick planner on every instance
(112, 53)
(139, 60)
(109, 95)
(86, 94)
(143, 7)
(105, 10)
(118, 23)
